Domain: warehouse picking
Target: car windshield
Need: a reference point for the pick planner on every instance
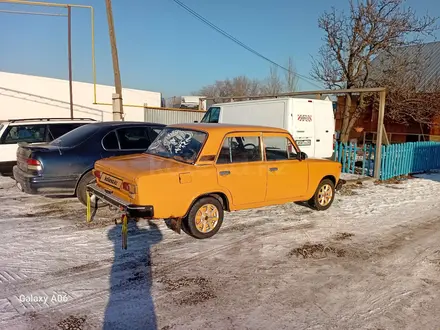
(180, 144)
(211, 116)
(76, 136)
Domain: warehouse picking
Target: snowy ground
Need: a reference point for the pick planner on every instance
(372, 261)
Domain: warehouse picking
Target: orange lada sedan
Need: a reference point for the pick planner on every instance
(192, 173)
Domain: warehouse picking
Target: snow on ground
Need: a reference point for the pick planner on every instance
(371, 261)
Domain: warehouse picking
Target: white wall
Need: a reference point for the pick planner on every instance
(24, 96)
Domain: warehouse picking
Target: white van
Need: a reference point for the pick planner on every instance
(311, 122)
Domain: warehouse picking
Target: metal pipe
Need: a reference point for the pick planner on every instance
(380, 120)
(69, 51)
(31, 13)
(92, 14)
(41, 3)
(323, 92)
(154, 108)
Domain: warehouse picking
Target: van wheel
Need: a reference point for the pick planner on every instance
(324, 195)
(81, 189)
(204, 219)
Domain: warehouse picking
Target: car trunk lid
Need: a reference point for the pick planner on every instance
(28, 159)
(118, 174)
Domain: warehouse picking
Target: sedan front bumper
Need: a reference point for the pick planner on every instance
(132, 210)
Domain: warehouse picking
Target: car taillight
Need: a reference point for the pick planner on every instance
(33, 164)
(131, 188)
(97, 174)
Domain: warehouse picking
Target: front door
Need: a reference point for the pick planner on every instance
(287, 177)
(241, 169)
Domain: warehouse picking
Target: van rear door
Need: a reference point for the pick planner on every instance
(303, 125)
(324, 128)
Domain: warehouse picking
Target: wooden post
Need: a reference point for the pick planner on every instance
(116, 72)
(380, 131)
(116, 102)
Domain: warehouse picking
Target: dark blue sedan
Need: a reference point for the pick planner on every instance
(64, 166)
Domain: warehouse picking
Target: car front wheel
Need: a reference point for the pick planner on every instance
(205, 218)
(324, 195)
(81, 192)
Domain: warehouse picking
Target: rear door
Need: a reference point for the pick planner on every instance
(126, 141)
(324, 129)
(303, 125)
(287, 177)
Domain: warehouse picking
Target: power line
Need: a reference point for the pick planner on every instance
(227, 35)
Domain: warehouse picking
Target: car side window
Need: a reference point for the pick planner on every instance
(110, 141)
(133, 138)
(153, 132)
(25, 133)
(57, 130)
(240, 150)
(278, 148)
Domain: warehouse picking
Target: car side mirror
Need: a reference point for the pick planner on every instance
(302, 156)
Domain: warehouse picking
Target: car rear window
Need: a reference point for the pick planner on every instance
(76, 136)
(24, 133)
(57, 130)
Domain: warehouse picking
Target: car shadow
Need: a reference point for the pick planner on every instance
(305, 204)
(130, 304)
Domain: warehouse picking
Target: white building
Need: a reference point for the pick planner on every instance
(25, 96)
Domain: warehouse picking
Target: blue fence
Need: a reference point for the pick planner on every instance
(397, 159)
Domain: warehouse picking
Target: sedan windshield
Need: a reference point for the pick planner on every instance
(179, 144)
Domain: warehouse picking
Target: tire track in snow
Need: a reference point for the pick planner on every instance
(101, 268)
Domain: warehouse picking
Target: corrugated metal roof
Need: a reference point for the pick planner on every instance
(426, 56)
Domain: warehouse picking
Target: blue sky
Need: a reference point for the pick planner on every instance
(163, 48)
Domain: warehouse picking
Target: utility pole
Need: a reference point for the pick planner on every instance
(69, 44)
(118, 112)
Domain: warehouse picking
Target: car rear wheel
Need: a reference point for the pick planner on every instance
(204, 219)
(81, 189)
(324, 195)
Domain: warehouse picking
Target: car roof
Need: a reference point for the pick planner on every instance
(125, 123)
(225, 128)
(77, 121)
(26, 121)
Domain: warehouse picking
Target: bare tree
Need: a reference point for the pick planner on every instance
(353, 40)
(291, 77)
(411, 96)
(244, 86)
(237, 86)
(273, 84)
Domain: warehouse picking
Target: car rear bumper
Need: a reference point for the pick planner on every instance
(132, 210)
(33, 184)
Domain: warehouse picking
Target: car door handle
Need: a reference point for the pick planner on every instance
(318, 140)
(273, 169)
(224, 173)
